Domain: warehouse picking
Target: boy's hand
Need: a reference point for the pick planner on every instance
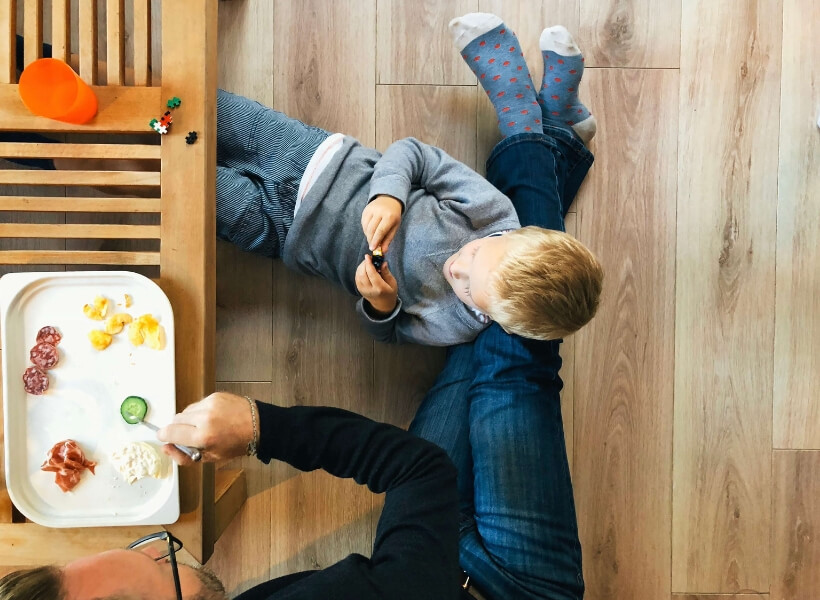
(379, 289)
(380, 221)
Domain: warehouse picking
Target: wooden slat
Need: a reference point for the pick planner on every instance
(88, 42)
(796, 524)
(725, 292)
(638, 33)
(33, 31)
(142, 41)
(141, 151)
(76, 257)
(121, 110)
(721, 597)
(90, 178)
(403, 60)
(61, 204)
(189, 223)
(61, 29)
(93, 231)
(8, 45)
(797, 311)
(624, 359)
(115, 37)
(29, 544)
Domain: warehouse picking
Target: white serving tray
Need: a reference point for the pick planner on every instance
(83, 400)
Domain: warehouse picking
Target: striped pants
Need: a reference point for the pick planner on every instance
(261, 155)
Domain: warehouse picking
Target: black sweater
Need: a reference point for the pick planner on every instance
(415, 553)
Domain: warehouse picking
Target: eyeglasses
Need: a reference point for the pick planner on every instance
(159, 546)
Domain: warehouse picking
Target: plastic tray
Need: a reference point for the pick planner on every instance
(83, 399)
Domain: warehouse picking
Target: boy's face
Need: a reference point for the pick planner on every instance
(469, 270)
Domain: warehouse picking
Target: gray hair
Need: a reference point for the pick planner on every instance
(39, 583)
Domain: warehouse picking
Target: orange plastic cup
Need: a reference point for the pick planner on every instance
(50, 88)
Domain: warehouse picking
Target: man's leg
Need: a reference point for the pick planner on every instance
(523, 540)
(443, 418)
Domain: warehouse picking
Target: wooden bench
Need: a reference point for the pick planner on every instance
(183, 251)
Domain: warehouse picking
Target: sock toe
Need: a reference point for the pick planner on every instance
(470, 26)
(559, 40)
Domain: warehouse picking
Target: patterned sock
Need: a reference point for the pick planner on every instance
(563, 68)
(493, 53)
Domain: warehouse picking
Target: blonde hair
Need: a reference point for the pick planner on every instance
(547, 286)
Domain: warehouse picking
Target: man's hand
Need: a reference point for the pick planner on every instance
(221, 426)
(379, 289)
(380, 221)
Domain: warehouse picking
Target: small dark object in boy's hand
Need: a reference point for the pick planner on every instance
(378, 259)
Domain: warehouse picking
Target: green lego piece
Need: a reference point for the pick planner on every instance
(174, 102)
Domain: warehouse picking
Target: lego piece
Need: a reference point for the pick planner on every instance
(174, 102)
(191, 138)
(378, 258)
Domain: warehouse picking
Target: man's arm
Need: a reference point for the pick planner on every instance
(415, 554)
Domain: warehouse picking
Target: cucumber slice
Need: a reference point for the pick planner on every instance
(133, 409)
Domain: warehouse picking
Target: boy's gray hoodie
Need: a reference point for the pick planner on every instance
(446, 204)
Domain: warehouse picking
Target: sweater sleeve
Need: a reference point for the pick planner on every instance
(415, 554)
(409, 164)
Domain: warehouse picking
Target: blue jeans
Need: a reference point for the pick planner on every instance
(495, 409)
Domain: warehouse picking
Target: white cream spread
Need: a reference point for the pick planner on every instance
(137, 460)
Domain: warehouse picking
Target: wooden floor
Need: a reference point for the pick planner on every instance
(692, 401)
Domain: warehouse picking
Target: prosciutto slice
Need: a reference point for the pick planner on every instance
(67, 460)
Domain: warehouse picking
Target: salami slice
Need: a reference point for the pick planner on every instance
(67, 460)
(44, 355)
(35, 380)
(50, 335)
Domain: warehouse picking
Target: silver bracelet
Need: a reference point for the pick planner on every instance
(252, 445)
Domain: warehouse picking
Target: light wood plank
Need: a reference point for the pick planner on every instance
(229, 496)
(244, 317)
(29, 544)
(567, 372)
(728, 136)
(797, 312)
(61, 29)
(115, 37)
(57, 204)
(246, 49)
(327, 85)
(89, 178)
(88, 42)
(795, 523)
(33, 27)
(640, 33)
(240, 555)
(402, 59)
(188, 270)
(624, 357)
(26, 230)
(8, 48)
(442, 116)
(66, 257)
(23, 150)
(120, 110)
(244, 312)
(142, 42)
(528, 18)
